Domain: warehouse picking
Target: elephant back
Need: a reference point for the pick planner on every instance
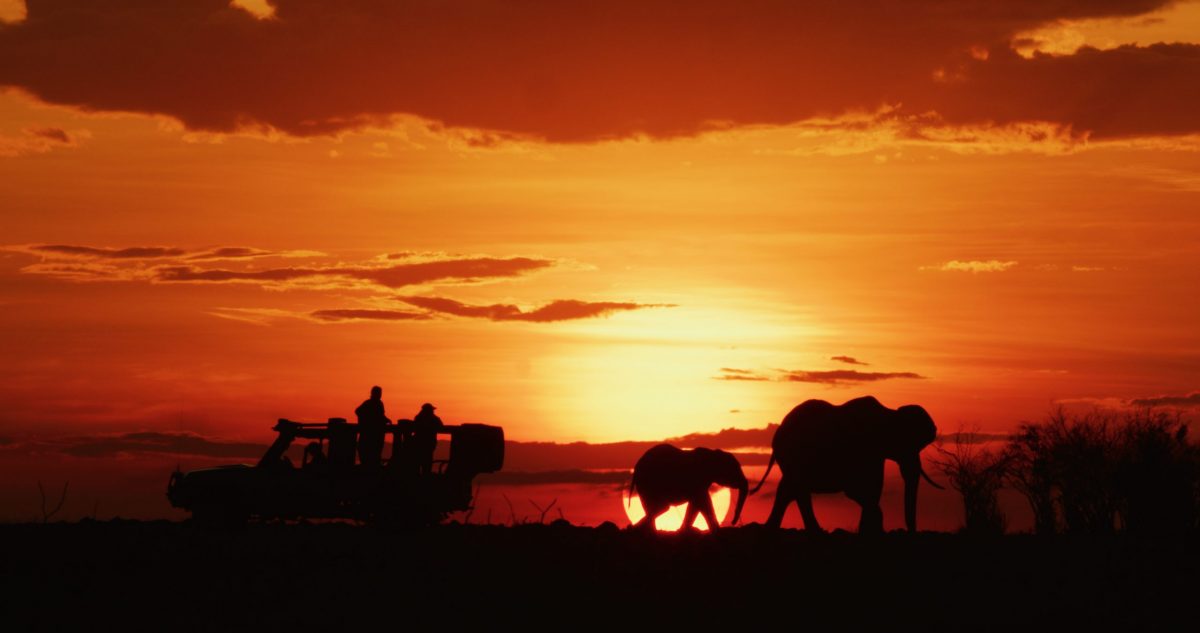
(664, 471)
(807, 427)
(819, 438)
(656, 462)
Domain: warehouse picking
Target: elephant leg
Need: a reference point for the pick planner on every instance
(804, 501)
(871, 519)
(707, 511)
(653, 511)
(866, 494)
(783, 498)
(689, 517)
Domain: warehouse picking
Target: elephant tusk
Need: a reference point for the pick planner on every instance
(931, 482)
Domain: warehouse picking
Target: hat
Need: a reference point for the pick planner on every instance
(428, 406)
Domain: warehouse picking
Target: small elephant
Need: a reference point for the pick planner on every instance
(666, 476)
(822, 447)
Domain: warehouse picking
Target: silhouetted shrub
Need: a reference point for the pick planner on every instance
(977, 474)
(1157, 474)
(1084, 450)
(1096, 471)
(1030, 472)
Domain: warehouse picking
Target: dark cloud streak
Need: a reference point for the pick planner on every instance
(108, 446)
(730, 373)
(135, 252)
(233, 252)
(569, 460)
(396, 276)
(828, 377)
(78, 251)
(541, 478)
(965, 438)
(728, 438)
(561, 310)
(369, 315)
(54, 134)
(849, 360)
(841, 376)
(1183, 402)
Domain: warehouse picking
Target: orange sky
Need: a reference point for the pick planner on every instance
(987, 213)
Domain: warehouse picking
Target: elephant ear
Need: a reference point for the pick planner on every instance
(919, 429)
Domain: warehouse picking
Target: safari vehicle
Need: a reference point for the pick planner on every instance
(328, 484)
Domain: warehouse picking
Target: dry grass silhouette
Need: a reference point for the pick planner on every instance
(62, 499)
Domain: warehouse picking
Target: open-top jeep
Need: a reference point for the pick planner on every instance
(328, 483)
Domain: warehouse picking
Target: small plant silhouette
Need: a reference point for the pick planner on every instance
(544, 511)
(49, 514)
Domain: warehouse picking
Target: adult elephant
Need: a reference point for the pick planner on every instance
(821, 447)
(667, 476)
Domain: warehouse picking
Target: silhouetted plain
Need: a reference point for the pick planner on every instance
(163, 576)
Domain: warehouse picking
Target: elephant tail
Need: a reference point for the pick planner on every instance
(770, 465)
(632, 487)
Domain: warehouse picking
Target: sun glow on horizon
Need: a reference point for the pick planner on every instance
(654, 374)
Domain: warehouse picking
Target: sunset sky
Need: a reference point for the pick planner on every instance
(598, 222)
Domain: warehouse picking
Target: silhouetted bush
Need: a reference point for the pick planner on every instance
(977, 474)
(1030, 472)
(1096, 471)
(1157, 474)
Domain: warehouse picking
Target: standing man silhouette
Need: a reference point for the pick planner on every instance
(425, 428)
(371, 426)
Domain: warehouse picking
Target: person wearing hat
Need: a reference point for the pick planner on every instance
(425, 427)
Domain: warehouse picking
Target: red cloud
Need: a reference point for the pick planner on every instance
(583, 71)
(1126, 91)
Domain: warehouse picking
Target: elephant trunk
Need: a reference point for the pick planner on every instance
(742, 489)
(911, 471)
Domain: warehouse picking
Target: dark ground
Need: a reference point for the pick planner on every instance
(163, 576)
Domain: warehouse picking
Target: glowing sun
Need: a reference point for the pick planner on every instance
(672, 519)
